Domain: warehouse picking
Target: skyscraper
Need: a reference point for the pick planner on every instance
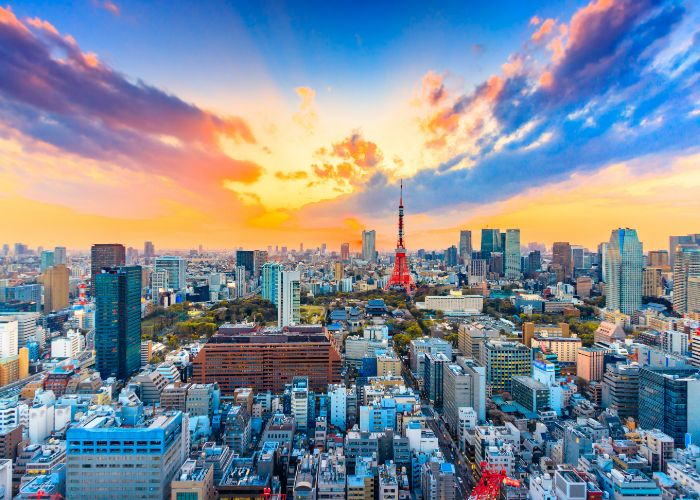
(47, 260)
(59, 255)
(270, 279)
(562, 260)
(246, 258)
(105, 255)
(451, 256)
(674, 241)
(149, 250)
(490, 242)
(624, 262)
(259, 259)
(175, 266)
(9, 337)
(686, 269)
(369, 251)
(55, 281)
(512, 254)
(465, 245)
(241, 282)
(345, 251)
(118, 321)
(289, 298)
(669, 400)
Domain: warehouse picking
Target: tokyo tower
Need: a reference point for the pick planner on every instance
(400, 276)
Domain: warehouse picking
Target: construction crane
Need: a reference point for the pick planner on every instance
(489, 486)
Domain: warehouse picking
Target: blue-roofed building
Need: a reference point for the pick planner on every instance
(142, 460)
(376, 307)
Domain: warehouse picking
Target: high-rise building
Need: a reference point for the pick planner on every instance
(621, 389)
(674, 241)
(465, 245)
(463, 384)
(259, 259)
(577, 257)
(105, 255)
(512, 254)
(686, 267)
(266, 360)
(47, 260)
(658, 258)
(9, 333)
(490, 242)
(118, 321)
(669, 400)
(175, 266)
(345, 251)
(59, 256)
(149, 250)
(246, 258)
(369, 251)
(562, 260)
(270, 279)
(241, 281)
(289, 298)
(589, 363)
(504, 360)
(26, 322)
(338, 271)
(451, 256)
(624, 263)
(55, 281)
(143, 458)
(652, 282)
(159, 283)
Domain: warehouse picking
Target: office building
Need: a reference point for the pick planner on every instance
(194, 481)
(463, 385)
(512, 254)
(159, 284)
(270, 280)
(241, 281)
(46, 260)
(589, 363)
(504, 360)
(669, 400)
(465, 246)
(118, 321)
(55, 281)
(107, 461)
(451, 256)
(490, 242)
(433, 370)
(9, 333)
(620, 391)
(259, 260)
(59, 256)
(686, 271)
(562, 260)
(624, 268)
(149, 250)
(345, 251)
(369, 251)
(105, 255)
(289, 298)
(688, 240)
(652, 282)
(241, 356)
(658, 258)
(175, 267)
(246, 258)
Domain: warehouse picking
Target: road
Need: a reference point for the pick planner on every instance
(449, 448)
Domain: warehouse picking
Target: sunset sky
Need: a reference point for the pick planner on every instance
(241, 123)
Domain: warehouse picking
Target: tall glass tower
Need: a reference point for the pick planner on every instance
(624, 264)
(118, 321)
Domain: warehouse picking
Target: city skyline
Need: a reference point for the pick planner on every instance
(125, 123)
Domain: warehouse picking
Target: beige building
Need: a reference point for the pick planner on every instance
(193, 482)
(652, 282)
(388, 364)
(589, 365)
(55, 281)
(566, 348)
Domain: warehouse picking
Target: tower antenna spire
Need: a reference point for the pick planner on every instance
(401, 276)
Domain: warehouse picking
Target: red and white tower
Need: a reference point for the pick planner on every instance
(400, 276)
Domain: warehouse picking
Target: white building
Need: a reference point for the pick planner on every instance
(175, 267)
(9, 332)
(26, 325)
(5, 479)
(675, 342)
(68, 346)
(338, 397)
(454, 304)
(159, 283)
(41, 422)
(289, 300)
(300, 402)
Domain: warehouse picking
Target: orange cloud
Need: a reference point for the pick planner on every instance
(535, 21)
(307, 116)
(433, 88)
(544, 30)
